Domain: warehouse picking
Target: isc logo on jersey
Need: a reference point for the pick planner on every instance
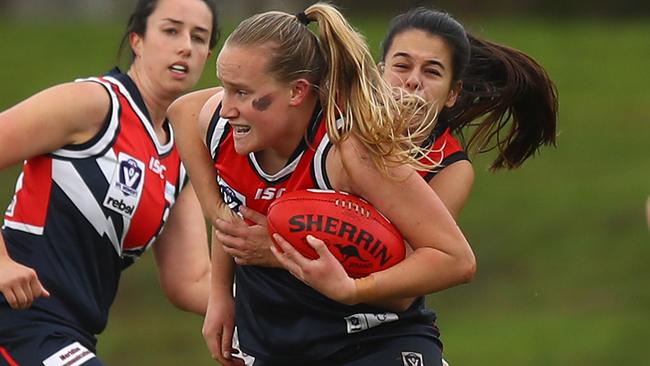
(126, 186)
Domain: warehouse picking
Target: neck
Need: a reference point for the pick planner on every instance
(155, 101)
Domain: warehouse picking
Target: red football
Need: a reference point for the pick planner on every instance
(360, 237)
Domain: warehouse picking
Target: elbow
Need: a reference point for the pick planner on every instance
(176, 296)
(191, 296)
(467, 269)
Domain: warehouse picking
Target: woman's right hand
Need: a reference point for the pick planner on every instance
(218, 328)
(19, 284)
(247, 244)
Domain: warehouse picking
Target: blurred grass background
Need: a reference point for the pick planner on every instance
(562, 244)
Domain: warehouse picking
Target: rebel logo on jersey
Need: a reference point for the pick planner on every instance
(126, 186)
(360, 237)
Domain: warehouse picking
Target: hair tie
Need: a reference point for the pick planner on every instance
(302, 18)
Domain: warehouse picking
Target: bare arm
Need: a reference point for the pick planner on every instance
(62, 115)
(442, 258)
(182, 255)
(453, 185)
(190, 116)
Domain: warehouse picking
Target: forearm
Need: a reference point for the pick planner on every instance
(192, 296)
(198, 163)
(223, 269)
(413, 277)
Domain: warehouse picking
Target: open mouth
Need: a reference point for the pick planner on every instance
(178, 69)
(239, 129)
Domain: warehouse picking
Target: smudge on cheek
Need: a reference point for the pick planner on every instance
(263, 103)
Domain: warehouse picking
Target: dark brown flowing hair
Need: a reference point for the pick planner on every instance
(508, 101)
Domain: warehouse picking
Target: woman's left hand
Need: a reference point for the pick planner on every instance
(325, 274)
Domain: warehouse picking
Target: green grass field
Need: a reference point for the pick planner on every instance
(562, 244)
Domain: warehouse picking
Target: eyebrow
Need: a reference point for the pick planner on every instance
(178, 22)
(232, 85)
(430, 61)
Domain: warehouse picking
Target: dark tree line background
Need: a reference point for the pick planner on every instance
(545, 8)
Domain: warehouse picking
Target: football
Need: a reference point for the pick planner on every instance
(358, 235)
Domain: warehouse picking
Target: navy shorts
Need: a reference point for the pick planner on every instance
(47, 348)
(398, 351)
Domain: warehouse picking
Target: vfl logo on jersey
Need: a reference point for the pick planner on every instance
(130, 176)
(126, 186)
(231, 197)
(412, 359)
(363, 321)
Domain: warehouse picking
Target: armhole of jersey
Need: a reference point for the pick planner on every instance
(447, 161)
(104, 138)
(217, 131)
(319, 167)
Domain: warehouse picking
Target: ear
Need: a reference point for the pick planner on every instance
(381, 66)
(300, 89)
(136, 43)
(453, 94)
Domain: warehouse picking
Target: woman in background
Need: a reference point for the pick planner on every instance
(101, 183)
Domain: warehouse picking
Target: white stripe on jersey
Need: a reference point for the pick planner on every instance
(217, 135)
(287, 170)
(182, 177)
(36, 230)
(319, 169)
(107, 165)
(162, 149)
(68, 179)
(109, 135)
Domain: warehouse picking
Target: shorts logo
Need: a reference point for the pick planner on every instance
(363, 321)
(412, 359)
(71, 355)
(126, 186)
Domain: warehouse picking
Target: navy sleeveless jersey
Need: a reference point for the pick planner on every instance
(278, 317)
(83, 213)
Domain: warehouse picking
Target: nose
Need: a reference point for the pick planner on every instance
(228, 108)
(413, 81)
(185, 45)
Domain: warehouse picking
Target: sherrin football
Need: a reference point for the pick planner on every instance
(360, 237)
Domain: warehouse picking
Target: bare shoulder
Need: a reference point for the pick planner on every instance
(350, 167)
(80, 108)
(208, 109)
(458, 172)
(191, 102)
